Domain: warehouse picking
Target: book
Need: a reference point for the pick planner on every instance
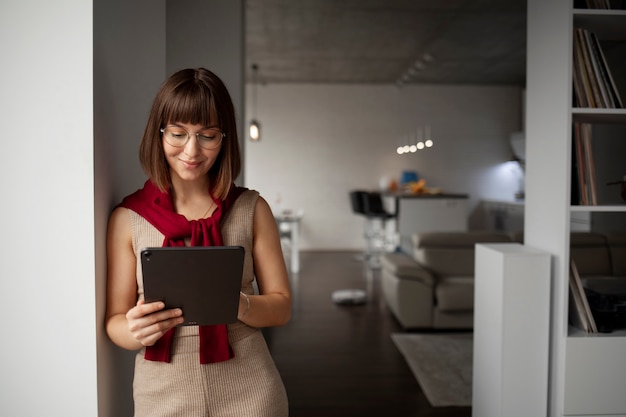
(594, 85)
(585, 180)
(606, 100)
(597, 4)
(607, 75)
(590, 165)
(580, 312)
(582, 88)
(581, 183)
(596, 96)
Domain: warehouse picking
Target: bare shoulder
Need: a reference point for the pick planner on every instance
(119, 225)
(119, 216)
(262, 204)
(263, 216)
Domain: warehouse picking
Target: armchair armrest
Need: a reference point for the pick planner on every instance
(405, 267)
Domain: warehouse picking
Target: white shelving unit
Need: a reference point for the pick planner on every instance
(587, 372)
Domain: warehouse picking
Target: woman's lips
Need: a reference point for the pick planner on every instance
(191, 164)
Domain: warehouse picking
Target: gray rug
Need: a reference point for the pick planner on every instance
(441, 363)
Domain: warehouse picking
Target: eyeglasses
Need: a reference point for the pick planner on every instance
(178, 137)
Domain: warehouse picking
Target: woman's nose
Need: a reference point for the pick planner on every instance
(192, 147)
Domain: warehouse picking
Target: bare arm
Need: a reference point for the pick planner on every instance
(272, 307)
(130, 324)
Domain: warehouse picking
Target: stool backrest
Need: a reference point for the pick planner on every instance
(374, 204)
(358, 200)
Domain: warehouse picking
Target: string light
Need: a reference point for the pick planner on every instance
(412, 143)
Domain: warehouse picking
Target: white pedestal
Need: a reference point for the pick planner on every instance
(511, 331)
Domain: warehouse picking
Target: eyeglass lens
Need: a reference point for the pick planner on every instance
(178, 137)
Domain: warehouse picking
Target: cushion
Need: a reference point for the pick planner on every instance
(403, 266)
(452, 253)
(455, 294)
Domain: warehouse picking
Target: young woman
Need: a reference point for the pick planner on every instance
(190, 153)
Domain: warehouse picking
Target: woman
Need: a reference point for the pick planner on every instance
(190, 153)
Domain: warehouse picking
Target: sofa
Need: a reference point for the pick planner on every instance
(433, 286)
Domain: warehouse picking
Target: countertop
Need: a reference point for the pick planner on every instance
(425, 196)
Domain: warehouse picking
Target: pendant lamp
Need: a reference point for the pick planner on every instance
(255, 126)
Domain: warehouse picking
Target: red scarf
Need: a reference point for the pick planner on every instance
(157, 208)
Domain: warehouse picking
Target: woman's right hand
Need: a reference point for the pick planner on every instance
(148, 322)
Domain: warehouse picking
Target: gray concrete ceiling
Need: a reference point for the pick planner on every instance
(387, 41)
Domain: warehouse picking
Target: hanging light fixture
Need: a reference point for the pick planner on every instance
(255, 126)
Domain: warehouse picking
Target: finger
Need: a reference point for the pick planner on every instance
(143, 309)
(138, 324)
(149, 335)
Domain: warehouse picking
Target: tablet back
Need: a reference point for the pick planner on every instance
(203, 281)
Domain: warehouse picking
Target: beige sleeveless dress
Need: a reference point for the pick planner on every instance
(247, 385)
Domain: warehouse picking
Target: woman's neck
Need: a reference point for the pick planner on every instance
(192, 199)
(190, 190)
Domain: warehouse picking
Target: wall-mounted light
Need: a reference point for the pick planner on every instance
(255, 126)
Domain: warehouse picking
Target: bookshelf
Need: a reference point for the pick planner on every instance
(587, 371)
(588, 115)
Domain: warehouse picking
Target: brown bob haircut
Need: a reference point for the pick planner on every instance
(194, 96)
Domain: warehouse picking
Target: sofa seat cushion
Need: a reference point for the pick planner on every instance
(404, 267)
(455, 294)
(452, 253)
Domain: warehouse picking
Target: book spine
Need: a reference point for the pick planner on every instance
(581, 82)
(597, 97)
(612, 87)
(607, 101)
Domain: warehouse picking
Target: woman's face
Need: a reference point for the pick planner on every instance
(191, 150)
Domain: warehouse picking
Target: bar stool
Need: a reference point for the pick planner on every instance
(370, 205)
(377, 218)
(358, 200)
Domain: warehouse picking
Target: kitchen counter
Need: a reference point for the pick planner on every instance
(417, 213)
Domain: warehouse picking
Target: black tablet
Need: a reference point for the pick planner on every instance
(203, 281)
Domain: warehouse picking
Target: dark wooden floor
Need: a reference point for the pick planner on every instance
(340, 360)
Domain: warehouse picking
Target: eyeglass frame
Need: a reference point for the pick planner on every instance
(196, 134)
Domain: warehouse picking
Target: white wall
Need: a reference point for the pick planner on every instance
(48, 348)
(321, 141)
(213, 37)
(129, 66)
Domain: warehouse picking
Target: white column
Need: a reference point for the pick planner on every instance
(511, 331)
